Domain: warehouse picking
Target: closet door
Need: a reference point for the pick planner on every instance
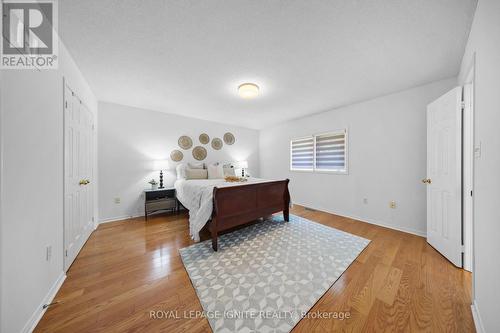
(78, 175)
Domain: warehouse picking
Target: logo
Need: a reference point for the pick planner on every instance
(29, 39)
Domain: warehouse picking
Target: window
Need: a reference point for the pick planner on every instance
(321, 153)
(330, 152)
(302, 154)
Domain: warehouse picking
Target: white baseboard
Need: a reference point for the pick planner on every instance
(477, 318)
(123, 217)
(379, 223)
(119, 218)
(37, 315)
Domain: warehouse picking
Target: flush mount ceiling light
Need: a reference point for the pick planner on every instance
(248, 90)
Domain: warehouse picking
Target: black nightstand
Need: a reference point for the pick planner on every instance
(160, 199)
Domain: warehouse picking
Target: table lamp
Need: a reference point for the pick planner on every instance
(241, 165)
(161, 165)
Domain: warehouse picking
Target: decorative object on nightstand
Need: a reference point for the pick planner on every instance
(154, 184)
(241, 165)
(161, 165)
(160, 199)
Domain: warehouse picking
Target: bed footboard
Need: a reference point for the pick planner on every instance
(237, 205)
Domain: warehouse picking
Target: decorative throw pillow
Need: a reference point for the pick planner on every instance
(229, 172)
(196, 165)
(196, 173)
(181, 171)
(215, 171)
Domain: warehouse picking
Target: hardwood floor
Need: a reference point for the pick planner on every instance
(129, 268)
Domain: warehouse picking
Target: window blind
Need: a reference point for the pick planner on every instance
(330, 151)
(302, 154)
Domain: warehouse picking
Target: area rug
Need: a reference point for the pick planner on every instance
(267, 276)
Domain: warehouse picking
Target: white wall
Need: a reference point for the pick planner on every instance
(484, 43)
(32, 212)
(130, 139)
(387, 159)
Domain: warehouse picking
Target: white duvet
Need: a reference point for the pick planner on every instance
(196, 195)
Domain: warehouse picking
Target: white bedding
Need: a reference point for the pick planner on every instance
(196, 195)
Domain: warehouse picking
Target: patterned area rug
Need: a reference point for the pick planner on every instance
(266, 277)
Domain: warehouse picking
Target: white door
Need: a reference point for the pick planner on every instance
(78, 175)
(444, 175)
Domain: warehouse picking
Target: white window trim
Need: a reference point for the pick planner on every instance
(326, 171)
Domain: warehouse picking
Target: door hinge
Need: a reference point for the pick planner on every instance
(93, 219)
(462, 248)
(66, 253)
(462, 105)
(66, 104)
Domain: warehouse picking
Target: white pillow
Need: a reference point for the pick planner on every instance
(215, 171)
(229, 172)
(181, 171)
(196, 165)
(196, 173)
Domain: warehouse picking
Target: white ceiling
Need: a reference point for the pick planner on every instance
(188, 57)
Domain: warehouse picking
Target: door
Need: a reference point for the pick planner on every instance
(444, 175)
(78, 175)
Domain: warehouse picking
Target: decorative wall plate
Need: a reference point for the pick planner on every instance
(199, 153)
(176, 155)
(185, 142)
(217, 143)
(204, 138)
(229, 138)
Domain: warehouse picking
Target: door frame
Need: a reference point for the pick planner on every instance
(468, 172)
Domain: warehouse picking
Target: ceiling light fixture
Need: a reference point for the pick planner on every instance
(248, 90)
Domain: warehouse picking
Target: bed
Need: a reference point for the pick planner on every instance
(225, 205)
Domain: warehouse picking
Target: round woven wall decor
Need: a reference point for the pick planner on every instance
(217, 143)
(229, 138)
(204, 138)
(185, 142)
(176, 155)
(199, 153)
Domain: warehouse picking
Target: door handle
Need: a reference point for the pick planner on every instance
(426, 181)
(84, 182)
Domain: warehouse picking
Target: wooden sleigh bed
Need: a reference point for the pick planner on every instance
(237, 205)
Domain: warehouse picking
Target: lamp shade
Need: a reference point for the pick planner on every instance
(241, 164)
(161, 165)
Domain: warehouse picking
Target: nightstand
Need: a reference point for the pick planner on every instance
(160, 199)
